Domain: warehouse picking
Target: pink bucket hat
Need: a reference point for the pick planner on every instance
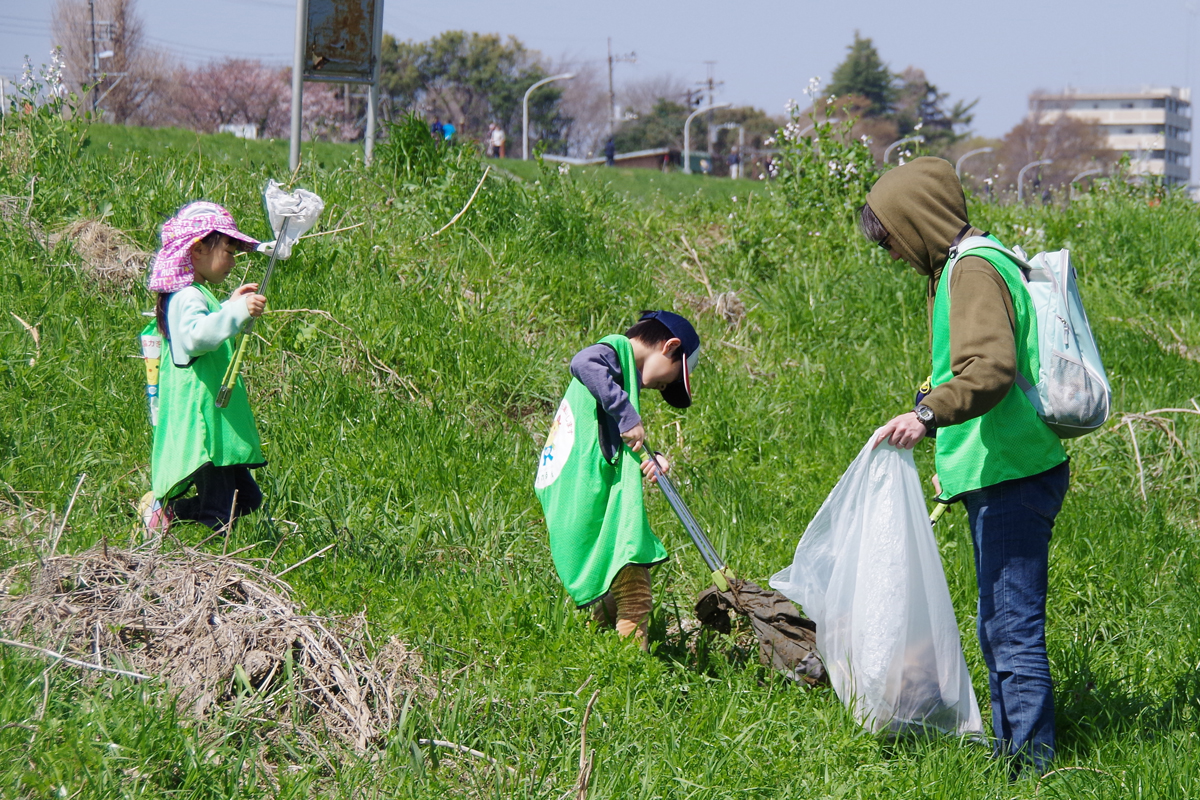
(172, 268)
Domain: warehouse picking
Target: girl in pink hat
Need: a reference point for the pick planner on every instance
(196, 443)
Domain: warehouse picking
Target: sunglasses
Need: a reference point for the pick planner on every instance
(885, 242)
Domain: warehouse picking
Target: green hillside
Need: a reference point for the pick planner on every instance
(403, 384)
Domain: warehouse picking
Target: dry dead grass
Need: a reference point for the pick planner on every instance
(219, 631)
(106, 254)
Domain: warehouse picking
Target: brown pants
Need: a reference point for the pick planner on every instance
(627, 604)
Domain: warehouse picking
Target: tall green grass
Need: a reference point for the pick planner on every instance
(425, 482)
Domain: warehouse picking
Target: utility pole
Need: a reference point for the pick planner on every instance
(710, 84)
(95, 57)
(624, 58)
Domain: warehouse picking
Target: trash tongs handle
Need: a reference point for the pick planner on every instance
(235, 364)
(721, 574)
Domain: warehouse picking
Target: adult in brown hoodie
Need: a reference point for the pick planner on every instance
(1009, 471)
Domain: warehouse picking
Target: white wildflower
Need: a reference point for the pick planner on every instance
(53, 74)
(564, 169)
(814, 87)
(27, 74)
(790, 106)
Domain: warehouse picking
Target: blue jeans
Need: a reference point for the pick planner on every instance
(1011, 524)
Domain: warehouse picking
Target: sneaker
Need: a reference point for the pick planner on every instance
(155, 516)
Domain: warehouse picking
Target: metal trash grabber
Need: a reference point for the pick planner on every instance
(294, 213)
(235, 364)
(722, 575)
(787, 641)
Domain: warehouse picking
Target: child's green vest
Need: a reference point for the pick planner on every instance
(594, 508)
(1010, 441)
(191, 430)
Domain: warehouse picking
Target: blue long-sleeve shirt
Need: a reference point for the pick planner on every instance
(599, 369)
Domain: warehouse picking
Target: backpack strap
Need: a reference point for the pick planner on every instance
(963, 248)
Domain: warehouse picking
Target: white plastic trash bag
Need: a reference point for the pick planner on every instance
(868, 572)
(301, 208)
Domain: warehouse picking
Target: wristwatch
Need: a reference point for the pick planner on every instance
(925, 415)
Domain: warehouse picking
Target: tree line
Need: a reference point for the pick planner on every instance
(476, 79)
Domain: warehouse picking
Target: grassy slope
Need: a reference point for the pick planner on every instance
(426, 484)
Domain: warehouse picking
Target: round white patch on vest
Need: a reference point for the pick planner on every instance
(558, 446)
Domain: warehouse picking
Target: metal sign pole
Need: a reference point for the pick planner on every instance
(373, 90)
(298, 85)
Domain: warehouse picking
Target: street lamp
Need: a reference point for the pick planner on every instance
(1021, 176)
(958, 164)
(525, 110)
(687, 134)
(1084, 174)
(899, 142)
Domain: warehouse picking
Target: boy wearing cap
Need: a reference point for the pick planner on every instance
(589, 478)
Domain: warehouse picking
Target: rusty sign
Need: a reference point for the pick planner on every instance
(342, 40)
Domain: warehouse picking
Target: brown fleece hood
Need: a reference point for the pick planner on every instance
(921, 205)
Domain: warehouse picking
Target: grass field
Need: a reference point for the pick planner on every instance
(425, 482)
(645, 185)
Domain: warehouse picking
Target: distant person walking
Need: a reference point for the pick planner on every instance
(610, 153)
(437, 130)
(735, 163)
(496, 141)
(993, 451)
(448, 131)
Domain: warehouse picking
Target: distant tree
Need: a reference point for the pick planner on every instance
(131, 78)
(890, 106)
(247, 92)
(864, 74)
(585, 103)
(661, 126)
(641, 95)
(472, 79)
(1073, 144)
(920, 108)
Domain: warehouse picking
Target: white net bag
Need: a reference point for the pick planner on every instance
(300, 208)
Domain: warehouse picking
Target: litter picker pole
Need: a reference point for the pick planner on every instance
(235, 364)
(721, 574)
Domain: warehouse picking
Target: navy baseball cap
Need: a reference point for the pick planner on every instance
(679, 393)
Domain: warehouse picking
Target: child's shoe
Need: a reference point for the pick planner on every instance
(155, 517)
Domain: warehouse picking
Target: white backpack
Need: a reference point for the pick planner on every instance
(1072, 395)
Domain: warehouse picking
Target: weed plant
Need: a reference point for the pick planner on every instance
(403, 386)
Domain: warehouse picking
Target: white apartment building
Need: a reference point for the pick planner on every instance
(1152, 125)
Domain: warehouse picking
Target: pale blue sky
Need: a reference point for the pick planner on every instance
(765, 51)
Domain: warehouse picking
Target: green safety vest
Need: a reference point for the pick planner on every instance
(1010, 441)
(191, 430)
(594, 508)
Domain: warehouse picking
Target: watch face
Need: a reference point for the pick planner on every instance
(925, 414)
